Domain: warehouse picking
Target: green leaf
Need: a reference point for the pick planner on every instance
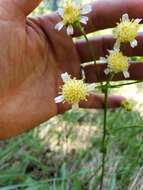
(77, 184)
(112, 184)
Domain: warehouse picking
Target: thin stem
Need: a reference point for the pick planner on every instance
(129, 127)
(104, 148)
(87, 40)
(120, 85)
(129, 83)
(89, 47)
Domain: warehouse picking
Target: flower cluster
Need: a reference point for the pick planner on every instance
(125, 31)
(72, 14)
(73, 91)
(117, 62)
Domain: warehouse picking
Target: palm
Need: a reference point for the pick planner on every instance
(33, 68)
(33, 55)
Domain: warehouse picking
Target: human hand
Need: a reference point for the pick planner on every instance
(33, 56)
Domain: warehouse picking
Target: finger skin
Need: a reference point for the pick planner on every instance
(101, 17)
(94, 102)
(106, 13)
(101, 44)
(26, 6)
(27, 98)
(17, 9)
(97, 101)
(135, 71)
(32, 59)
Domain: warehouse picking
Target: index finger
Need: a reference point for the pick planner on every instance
(106, 13)
(17, 8)
(90, 71)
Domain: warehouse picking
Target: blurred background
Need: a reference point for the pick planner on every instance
(64, 153)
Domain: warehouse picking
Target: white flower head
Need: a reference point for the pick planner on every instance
(73, 91)
(116, 63)
(127, 30)
(72, 13)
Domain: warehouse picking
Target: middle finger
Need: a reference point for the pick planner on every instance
(100, 46)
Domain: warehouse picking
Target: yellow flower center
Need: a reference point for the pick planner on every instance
(117, 62)
(71, 14)
(126, 31)
(74, 91)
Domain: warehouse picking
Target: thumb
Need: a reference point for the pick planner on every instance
(26, 6)
(16, 8)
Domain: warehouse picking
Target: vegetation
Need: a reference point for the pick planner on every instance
(65, 153)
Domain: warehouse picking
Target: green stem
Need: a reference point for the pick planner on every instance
(130, 127)
(120, 85)
(129, 83)
(87, 40)
(89, 47)
(104, 148)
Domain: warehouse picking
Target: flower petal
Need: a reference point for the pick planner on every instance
(59, 26)
(61, 12)
(113, 51)
(86, 9)
(117, 45)
(138, 20)
(102, 60)
(84, 19)
(82, 73)
(65, 77)
(134, 43)
(91, 87)
(70, 30)
(107, 71)
(75, 107)
(76, 3)
(59, 99)
(126, 74)
(125, 17)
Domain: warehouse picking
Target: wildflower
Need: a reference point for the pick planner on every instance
(126, 30)
(73, 90)
(72, 14)
(127, 105)
(117, 62)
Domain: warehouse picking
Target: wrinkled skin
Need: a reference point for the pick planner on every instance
(33, 55)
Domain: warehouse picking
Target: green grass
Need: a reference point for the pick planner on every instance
(65, 153)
